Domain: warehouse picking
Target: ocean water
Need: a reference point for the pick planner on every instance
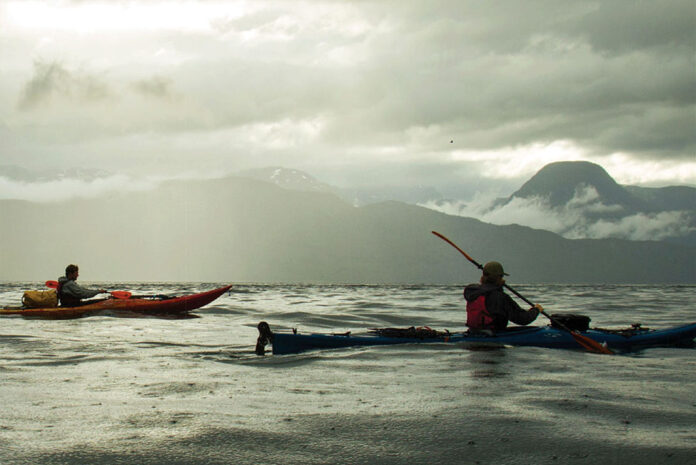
(113, 390)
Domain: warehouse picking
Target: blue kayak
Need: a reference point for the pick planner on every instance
(632, 339)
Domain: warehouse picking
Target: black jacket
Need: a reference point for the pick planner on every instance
(499, 305)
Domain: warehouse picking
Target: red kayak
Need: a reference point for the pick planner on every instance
(148, 305)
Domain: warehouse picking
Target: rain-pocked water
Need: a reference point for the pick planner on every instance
(113, 390)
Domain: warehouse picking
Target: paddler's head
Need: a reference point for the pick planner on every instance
(493, 274)
(72, 272)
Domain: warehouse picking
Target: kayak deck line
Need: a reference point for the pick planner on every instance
(145, 305)
(622, 340)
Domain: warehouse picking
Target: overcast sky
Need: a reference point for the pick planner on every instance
(398, 92)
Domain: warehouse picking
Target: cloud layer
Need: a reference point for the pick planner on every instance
(59, 190)
(346, 87)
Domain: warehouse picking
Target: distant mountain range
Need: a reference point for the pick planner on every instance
(666, 198)
(288, 179)
(574, 199)
(245, 230)
(301, 181)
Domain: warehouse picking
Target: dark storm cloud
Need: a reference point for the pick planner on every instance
(54, 79)
(612, 76)
(489, 75)
(156, 86)
(625, 25)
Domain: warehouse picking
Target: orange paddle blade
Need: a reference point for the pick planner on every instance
(478, 265)
(590, 344)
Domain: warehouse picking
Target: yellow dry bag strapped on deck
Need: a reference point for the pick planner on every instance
(40, 299)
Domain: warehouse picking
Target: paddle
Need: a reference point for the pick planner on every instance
(584, 341)
(114, 294)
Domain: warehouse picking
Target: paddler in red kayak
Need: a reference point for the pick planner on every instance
(488, 307)
(70, 293)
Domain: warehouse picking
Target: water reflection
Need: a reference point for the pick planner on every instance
(487, 361)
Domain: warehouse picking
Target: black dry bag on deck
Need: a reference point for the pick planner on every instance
(571, 321)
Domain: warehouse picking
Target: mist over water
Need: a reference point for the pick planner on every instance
(106, 390)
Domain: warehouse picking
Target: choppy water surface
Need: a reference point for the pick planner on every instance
(105, 390)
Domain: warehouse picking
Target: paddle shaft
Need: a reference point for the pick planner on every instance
(552, 319)
(585, 342)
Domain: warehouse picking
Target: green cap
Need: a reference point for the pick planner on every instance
(494, 269)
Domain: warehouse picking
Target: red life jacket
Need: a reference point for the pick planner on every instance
(477, 316)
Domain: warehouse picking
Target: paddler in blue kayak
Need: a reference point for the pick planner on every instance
(70, 293)
(488, 307)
